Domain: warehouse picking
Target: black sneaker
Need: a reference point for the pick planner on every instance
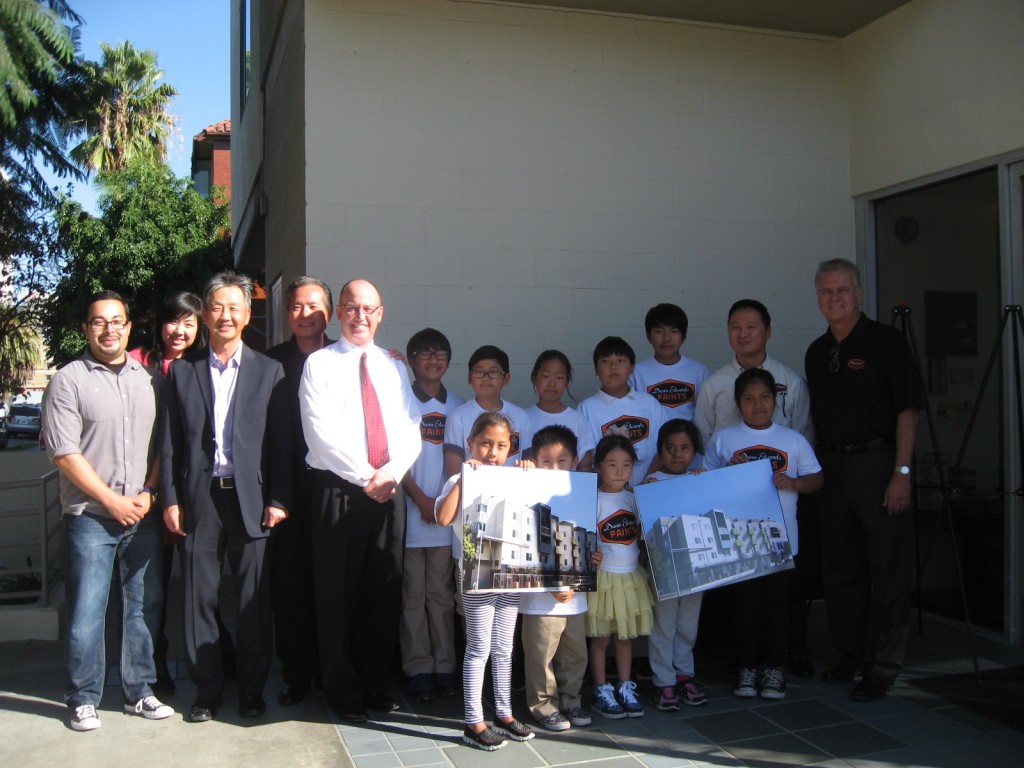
(487, 739)
(421, 687)
(513, 729)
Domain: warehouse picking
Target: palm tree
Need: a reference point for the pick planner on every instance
(132, 117)
(19, 348)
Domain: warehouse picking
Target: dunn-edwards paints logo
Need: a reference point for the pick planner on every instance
(633, 428)
(672, 393)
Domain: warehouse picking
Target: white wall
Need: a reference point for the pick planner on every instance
(934, 85)
(535, 178)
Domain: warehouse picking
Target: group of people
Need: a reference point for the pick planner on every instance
(333, 488)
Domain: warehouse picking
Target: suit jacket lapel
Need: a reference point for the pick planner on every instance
(202, 369)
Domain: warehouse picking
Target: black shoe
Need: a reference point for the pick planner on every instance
(378, 702)
(201, 713)
(351, 713)
(642, 669)
(838, 673)
(251, 705)
(869, 689)
(292, 694)
(799, 665)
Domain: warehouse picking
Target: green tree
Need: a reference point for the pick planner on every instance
(19, 347)
(155, 234)
(131, 119)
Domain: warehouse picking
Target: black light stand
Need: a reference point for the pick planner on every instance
(946, 485)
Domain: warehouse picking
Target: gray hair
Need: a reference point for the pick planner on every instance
(229, 279)
(304, 280)
(833, 265)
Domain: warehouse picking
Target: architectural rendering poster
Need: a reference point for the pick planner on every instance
(719, 527)
(527, 530)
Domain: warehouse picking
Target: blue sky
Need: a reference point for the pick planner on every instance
(192, 41)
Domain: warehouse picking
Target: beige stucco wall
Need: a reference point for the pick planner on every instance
(934, 85)
(539, 179)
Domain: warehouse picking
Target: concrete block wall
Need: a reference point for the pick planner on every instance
(535, 178)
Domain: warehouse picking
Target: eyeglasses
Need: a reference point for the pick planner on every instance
(495, 373)
(99, 324)
(438, 354)
(353, 310)
(833, 363)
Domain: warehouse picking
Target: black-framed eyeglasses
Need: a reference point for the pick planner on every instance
(437, 354)
(496, 373)
(353, 310)
(99, 324)
(833, 363)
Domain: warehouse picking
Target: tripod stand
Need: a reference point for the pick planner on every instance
(901, 312)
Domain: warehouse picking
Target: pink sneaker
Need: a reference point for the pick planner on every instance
(666, 699)
(689, 692)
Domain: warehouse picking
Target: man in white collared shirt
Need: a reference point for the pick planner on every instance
(361, 425)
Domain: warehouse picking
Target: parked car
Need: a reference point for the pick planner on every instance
(23, 420)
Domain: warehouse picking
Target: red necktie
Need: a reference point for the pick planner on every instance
(376, 435)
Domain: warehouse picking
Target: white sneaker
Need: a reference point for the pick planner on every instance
(629, 700)
(84, 718)
(148, 707)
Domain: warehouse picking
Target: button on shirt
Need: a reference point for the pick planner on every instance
(223, 377)
(330, 401)
(108, 417)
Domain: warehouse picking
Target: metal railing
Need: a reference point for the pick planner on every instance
(43, 503)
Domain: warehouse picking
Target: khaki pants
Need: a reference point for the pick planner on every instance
(555, 660)
(427, 631)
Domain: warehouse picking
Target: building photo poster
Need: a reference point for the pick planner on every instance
(712, 529)
(527, 530)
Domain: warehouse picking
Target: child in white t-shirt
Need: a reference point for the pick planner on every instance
(551, 377)
(670, 377)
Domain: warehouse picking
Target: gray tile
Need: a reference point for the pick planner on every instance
(798, 715)
(922, 727)
(368, 747)
(972, 719)
(389, 760)
(674, 760)
(581, 747)
(422, 757)
(353, 733)
(404, 742)
(772, 751)
(733, 726)
(851, 739)
(512, 755)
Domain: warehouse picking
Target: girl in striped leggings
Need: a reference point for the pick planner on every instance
(490, 617)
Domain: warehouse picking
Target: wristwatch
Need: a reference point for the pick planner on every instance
(903, 469)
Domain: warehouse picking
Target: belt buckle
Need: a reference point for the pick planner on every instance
(225, 483)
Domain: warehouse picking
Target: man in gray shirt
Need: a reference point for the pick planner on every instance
(98, 424)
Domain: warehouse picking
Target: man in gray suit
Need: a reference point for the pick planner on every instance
(226, 482)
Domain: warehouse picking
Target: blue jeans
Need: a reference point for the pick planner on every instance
(92, 545)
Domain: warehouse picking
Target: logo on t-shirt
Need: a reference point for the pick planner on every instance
(672, 393)
(633, 428)
(779, 459)
(432, 428)
(855, 364)
(619, 528)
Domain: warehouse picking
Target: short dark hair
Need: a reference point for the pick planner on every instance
(669, 315)
(614, 345)
(755, 305)
(676, 427)
(425, 340)
(555, 434)
(489, 352)
(106, 295)
(748, 377)
(304, 280)
(229, 279)
(608, 443)
(548, 355)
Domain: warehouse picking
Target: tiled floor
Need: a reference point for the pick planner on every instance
(817, 724)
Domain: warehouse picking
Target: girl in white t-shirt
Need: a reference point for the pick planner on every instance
(761, 615)
(551, 377)
(622, 604)
(490, 616)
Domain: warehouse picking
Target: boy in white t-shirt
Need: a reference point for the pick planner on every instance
(618, 409)
(427, 631)
(554, 628)
(488, 376)
(670, 377)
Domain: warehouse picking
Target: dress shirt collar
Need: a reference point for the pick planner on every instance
(423, 397)
(92, 363)
(607, 399)
(235, 361)
(738, 369)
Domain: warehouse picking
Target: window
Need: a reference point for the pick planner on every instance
(245, 52)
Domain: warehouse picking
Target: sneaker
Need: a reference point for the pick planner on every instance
(513, 729)
(773, 683)
(629, 700)
(606, 704)
(487, 739)
(688, 692)
(148, 707)
(746, 683)
(642, 669)
(577, 716)
(446, 684)
(666, 699)
(555, 722)
(84, 718)
(421, 687)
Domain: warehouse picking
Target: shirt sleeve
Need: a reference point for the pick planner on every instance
(61, 418)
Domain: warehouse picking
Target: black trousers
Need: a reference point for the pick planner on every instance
(762, 619)
(357, 571)
(867, 562)
(215, 537)
(291, 570)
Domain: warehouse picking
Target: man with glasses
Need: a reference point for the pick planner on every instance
(98, 423)
(362, 428)
(865, 396)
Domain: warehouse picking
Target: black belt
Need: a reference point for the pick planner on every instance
(224, 483)
(851, 448)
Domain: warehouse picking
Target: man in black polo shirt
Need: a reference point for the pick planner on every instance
(864, 403)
